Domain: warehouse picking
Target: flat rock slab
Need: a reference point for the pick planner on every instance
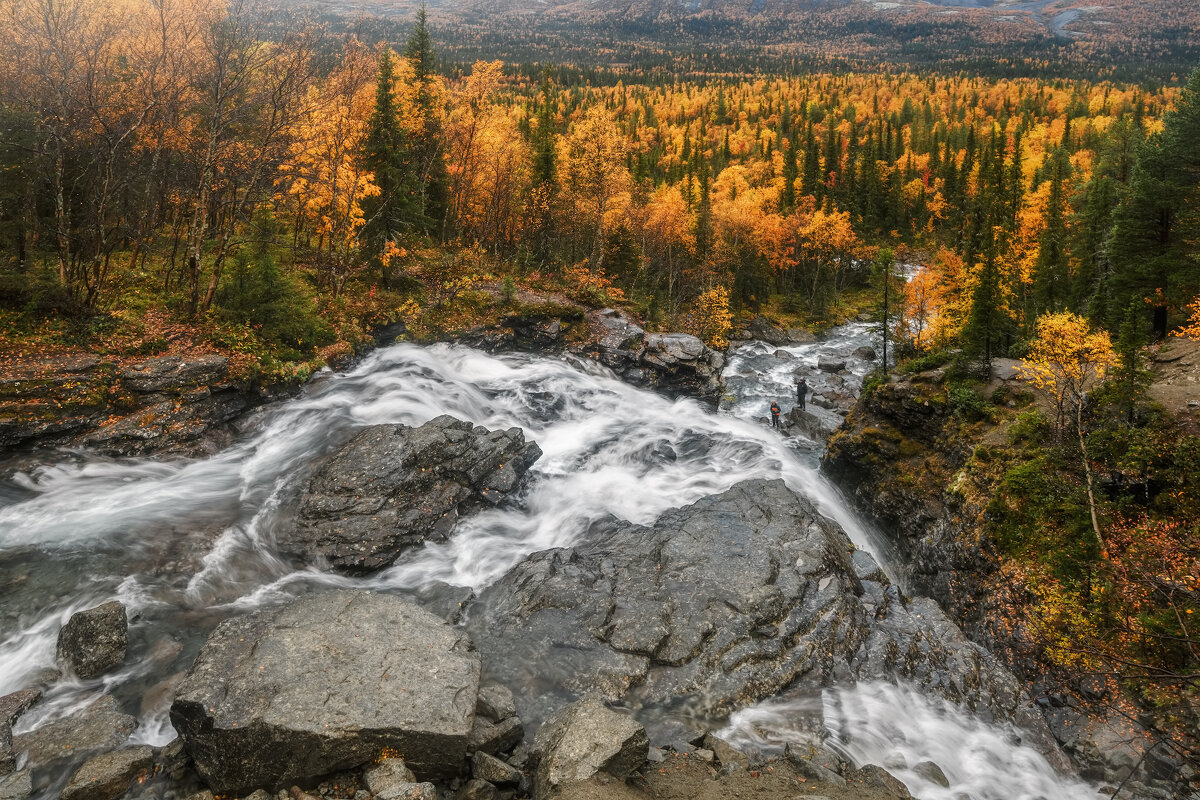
(394, 487)
(326, 683)
(98, 728)
(109, 776)
(174, 373)
(94, 641)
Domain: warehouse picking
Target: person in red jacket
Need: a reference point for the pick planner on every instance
(774, 414)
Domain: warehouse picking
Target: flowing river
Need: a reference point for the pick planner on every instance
(187, 543)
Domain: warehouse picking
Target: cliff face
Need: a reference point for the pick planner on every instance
(901, 458)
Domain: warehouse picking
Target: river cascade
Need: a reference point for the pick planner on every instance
(185, 544)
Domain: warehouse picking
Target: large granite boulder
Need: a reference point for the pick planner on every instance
(325, 683)
(94, 641)
(724, 602)
(393, 487)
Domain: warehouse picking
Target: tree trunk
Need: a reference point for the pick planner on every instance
(1087, 471)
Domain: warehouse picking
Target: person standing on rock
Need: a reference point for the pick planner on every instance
(774, 414)
(801, 391)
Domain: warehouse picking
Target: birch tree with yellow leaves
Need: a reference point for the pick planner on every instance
(1067, 360)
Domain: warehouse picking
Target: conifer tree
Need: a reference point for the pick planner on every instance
(1051, 276)
(1150, 245)
(385, 153)
(427, 142)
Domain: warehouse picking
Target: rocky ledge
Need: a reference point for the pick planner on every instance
(121, 408)
(677, 364)
(725, 602)
(393, 487)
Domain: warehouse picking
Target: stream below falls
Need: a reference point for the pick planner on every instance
(187, 543)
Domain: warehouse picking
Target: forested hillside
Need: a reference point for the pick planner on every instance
(268, 182)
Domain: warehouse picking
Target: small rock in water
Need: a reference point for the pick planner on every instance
(109, 776)
(831, 364)
(12, 706)
(932, 773)
(495, 702)
(866, 353)
(94, 641)
(495, 737)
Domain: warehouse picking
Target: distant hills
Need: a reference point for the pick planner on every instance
(1138, 39)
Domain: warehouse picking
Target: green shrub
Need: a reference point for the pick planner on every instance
(280, 309)
(967, 404)
(873, 381)
(926, 362)
(1030, 428)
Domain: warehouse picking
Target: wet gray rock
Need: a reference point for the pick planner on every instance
(617, 338)
(495, 703)
(476, 789)
(677, 364)
(12, 706)
(866, 353)
(764, 330)
(831, 364)
(170, 421)
(681, 364)
(724, 602)
(582, 740)
(932, 773)
(728, 756)
(324, 683)
(109, 776)
(16, 786)
(879, 778)
(98, 728)
(495, 737)
(174, 373)
(94, 641)
(493, 770)
(393, 487)
(806, 423)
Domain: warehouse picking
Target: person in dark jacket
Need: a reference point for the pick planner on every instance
(774, 414)
(801, 391)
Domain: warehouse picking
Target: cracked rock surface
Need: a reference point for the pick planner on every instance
(727, 601)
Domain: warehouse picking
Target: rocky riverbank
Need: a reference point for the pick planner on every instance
(184, 404)
(914, 457)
